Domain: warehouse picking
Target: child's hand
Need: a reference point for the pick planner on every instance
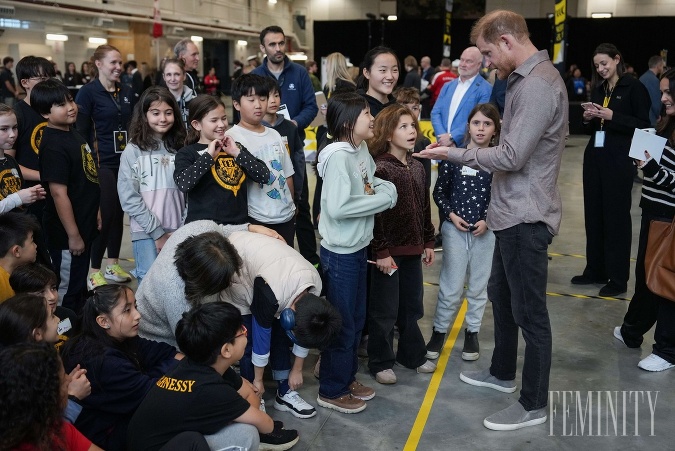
(429, 256)
(258, 388)
(161, 241)
(76, 245)
(295, 379)
(459, 223)
(79, 386)
(32, 194)
(230, 147)
(385, 264)
(481, 228)
(214, 148)
(265, 231)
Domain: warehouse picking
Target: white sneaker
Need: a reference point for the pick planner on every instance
(617, 334)
(386, 376)
(655, 363)
(292, 402)
(427, 367)
(262, 405)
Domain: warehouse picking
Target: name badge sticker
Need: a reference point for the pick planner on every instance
(600, 138)
(468, 171)
(64, 326)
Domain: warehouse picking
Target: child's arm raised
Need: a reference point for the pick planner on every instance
(64, 208)
(190, 168)
(256, 169)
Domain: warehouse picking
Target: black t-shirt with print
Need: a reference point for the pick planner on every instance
(31, 128)
(10, 176)
(192, 397)
(216, 190)
(67, 159)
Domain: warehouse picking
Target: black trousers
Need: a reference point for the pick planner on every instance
(112, 215)
(608, 180)
(647, 308)
(304, 229)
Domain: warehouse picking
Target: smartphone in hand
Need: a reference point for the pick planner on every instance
(589, 106)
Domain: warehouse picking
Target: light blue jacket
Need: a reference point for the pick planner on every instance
(479, 92)
(350, 197)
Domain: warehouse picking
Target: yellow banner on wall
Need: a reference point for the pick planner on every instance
(560, 32)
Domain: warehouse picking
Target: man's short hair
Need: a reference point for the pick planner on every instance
(48, 93)
(317, 322)
(14, 229)
(181, 47)
(203, 331)
(6, 60)
(445, 62)
(491, 26)
(133, 64)
(655, 61)
(34, 66)
(248, 83)
(309, 64)
(268, 30)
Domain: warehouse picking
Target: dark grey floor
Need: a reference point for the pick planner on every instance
(586, 358)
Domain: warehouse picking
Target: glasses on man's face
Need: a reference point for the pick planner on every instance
(244, 332)
(39, 79)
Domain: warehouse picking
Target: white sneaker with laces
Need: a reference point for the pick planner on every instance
(293, 403)
(655, 363)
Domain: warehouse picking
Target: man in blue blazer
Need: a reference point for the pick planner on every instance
(450, 114)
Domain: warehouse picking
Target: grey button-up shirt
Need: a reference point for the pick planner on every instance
(526, 162)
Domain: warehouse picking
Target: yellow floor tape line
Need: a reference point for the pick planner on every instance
(423, 414)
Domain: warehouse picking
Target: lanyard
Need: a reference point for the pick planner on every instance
(116, 98)
(605, 101)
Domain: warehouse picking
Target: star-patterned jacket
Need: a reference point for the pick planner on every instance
(462, 190)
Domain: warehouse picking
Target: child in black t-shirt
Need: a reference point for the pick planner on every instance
(203, 393)
(68, 169)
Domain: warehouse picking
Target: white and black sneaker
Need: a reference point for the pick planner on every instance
(279, 439)
(292, 402)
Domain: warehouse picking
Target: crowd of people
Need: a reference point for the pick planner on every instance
(215, 211)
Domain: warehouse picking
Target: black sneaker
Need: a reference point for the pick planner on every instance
(279, 439)
(612, 289)
(470, 350)
(435, 345)
(583, 279)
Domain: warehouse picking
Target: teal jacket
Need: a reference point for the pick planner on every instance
(351, 197)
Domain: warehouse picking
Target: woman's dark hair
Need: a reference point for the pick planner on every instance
(48, 93)
(611, 51)
(385, 125)
(203, 330)
(368, 61)
(30, 389)
(491, 112)
(20, 315)
(343, 110)
(668, 122)
(142, 135)
(206, 263)
(31, 278)
(199, 107)
(92, 339)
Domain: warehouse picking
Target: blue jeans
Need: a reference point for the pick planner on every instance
(145, 253)
(345, 277)
(280, 354)
(517, 289)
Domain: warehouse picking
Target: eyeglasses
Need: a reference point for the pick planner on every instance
(38, 79)
(244, 333)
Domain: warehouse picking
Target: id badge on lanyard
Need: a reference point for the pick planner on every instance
(600, 134)
(119, 136)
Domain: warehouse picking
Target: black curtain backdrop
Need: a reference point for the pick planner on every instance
(637, 38)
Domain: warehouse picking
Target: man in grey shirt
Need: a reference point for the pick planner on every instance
(524, 212)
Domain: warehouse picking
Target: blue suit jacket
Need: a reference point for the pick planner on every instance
(479, 92)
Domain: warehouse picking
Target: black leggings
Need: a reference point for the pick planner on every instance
(111, 218)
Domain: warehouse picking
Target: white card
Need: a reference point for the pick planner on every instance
(600, 138)
(283, 109)
(468, 171)
(643, 140)
(64, 326)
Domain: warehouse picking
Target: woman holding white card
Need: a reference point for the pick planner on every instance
(657, 203)
(619, 105)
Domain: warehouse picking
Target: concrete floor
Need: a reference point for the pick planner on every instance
(439, 412)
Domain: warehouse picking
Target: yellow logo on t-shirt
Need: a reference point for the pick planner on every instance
(10, 182)
(36, 137)
(88, 164)
(169, 383)
(228, 173)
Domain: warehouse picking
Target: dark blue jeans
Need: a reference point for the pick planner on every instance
(280, 353)
(517, 289)
(345, 278)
